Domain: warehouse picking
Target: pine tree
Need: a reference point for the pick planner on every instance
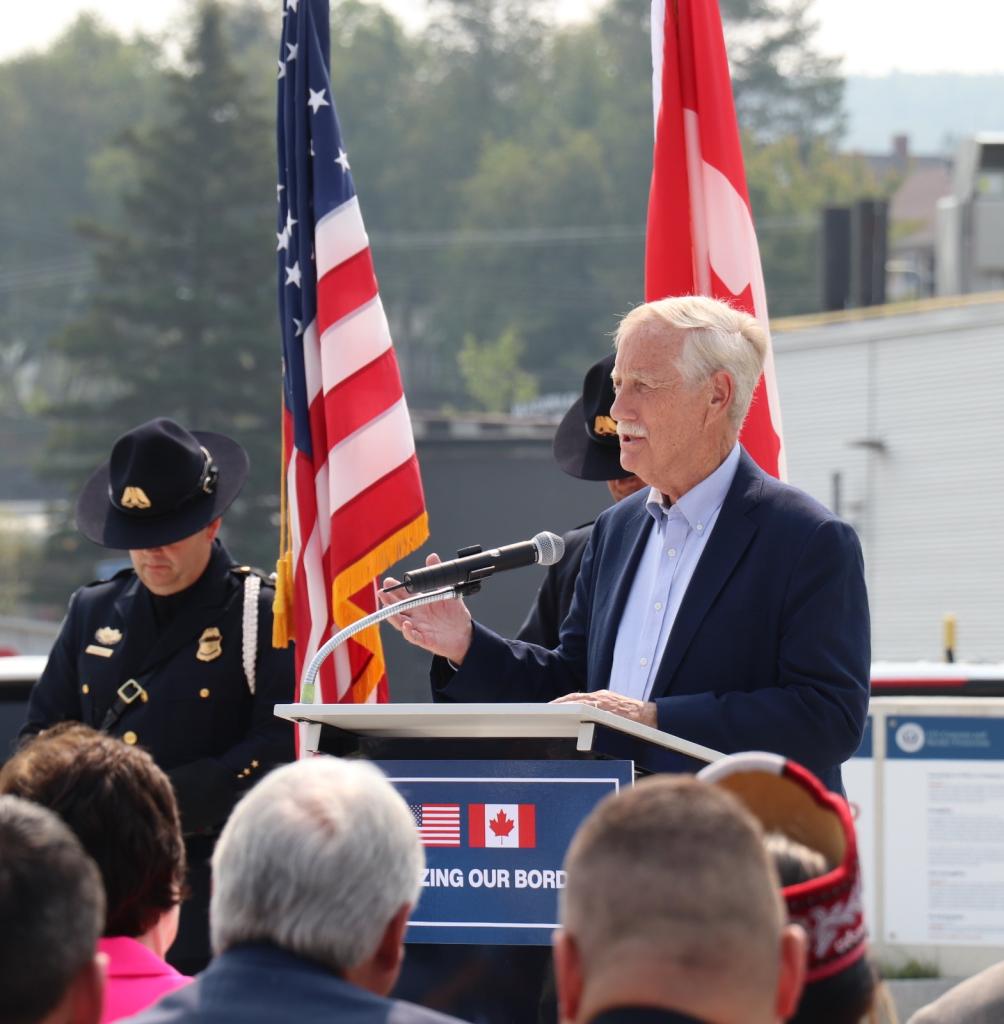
(182, 321)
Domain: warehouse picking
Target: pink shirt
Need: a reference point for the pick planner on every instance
(137, 978)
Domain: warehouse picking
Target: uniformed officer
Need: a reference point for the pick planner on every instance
(586, 447)
(174, 654)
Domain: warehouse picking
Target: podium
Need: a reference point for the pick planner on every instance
(497, 790)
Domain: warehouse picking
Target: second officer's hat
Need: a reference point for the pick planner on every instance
(586, 444)
(162, 483)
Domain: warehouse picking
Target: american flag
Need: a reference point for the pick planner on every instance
(700, 238)
(437, 824)
(353, 492)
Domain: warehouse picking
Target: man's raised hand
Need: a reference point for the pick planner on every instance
(442, 628)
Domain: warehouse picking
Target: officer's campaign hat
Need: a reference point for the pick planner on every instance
(161, 484)
(788, 799)
(586, 443)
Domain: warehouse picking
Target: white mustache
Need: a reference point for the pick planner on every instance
(631, 429)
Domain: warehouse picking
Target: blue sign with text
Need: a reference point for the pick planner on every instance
(942, 738)
(495, 835)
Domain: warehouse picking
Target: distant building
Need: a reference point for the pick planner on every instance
(923, 180)
(970, 238)
(893, 417)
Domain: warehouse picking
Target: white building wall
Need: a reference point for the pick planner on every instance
(908, 410)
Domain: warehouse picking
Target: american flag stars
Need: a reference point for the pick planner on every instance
(317, 100)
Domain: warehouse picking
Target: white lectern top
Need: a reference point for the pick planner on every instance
(481, 721)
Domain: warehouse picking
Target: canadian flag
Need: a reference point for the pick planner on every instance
(505, 825)
(700, 238)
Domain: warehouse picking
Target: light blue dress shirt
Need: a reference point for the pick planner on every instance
(675, 544)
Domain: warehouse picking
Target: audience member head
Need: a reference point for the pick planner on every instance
(321, 858)
(671, 902)
(810, 836)
(122, 808)
(52, 906)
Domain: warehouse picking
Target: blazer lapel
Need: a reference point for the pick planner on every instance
(731, 536)
(628, 548)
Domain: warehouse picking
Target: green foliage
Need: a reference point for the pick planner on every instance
(59, 110)
(909, 970)
(783, 86)
(181, 321)
(491, 372)
(502, 162)
(789, 184)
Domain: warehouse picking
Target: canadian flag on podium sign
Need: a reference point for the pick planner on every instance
(502, 825)
(700, 238)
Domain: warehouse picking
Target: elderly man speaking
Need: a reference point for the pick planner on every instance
(719, 605)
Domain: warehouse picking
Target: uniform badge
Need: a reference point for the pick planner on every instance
(210, 644)
(108, 636)
(135, 497)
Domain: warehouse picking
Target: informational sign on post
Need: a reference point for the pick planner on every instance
(495, 835)
(943, 830)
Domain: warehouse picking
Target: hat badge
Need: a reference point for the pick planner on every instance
(605, 426)
(135, 497)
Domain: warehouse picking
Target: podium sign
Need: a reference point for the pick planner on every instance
(495, 835)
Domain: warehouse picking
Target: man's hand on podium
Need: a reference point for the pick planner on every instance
(641, 711)
(442, 628)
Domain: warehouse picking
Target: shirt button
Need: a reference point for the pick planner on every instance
(658, 606)
(699, 527)
(643, 662)
(130, 737)
(671, 552)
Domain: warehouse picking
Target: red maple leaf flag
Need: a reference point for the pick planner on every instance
(700, 238)
(502, 825)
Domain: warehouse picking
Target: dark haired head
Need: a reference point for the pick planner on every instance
(123, 810)
(51, 906)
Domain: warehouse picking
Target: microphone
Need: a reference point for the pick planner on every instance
(544, 549)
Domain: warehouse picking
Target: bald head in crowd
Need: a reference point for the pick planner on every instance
(52, 906)
(671, 904)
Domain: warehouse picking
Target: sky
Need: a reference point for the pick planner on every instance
(875, 37)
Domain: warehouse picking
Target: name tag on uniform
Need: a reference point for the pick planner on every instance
(101, 652)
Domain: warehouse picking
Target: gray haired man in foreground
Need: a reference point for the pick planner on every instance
(314, 878)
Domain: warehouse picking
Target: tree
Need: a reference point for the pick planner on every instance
(783, 85)
(182, 320)
(59, 111)
(491, 371)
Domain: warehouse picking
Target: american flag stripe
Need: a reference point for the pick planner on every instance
(363, 396)
(340, 235)
(438, 824)
(369, 454)
(343, 290)
(359, 339)
(348, 435)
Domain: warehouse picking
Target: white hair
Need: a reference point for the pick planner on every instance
(715, 337)
(316, 859)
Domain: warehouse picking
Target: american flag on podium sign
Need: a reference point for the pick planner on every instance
(700, 238)
(352, 492)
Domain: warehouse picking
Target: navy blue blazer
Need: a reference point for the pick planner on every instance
(770, 649)
(262, 984)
